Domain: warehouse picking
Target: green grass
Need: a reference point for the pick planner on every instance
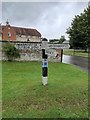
(24, 96)
(80, 53)
(0, 89)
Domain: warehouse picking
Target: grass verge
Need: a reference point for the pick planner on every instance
(80, 53)
(24, 96)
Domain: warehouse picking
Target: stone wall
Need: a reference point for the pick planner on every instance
(29, 51)
(32, 51)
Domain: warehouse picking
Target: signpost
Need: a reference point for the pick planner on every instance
(44, 61)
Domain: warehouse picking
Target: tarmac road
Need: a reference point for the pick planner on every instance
(80, 62)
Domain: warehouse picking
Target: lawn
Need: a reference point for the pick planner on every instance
(24, 96)
(0, 89)
(80, 53)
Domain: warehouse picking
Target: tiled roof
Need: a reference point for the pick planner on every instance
(25, 31)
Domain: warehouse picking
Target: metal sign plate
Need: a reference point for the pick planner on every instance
(44, 63)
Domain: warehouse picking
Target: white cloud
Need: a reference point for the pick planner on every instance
(0, 12)
(50, 18)
(45, 0)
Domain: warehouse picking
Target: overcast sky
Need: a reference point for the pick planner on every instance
(50, 18)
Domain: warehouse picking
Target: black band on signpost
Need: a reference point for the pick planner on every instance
(43, 53)
(44, 67)
(45, 70)
(44, 56)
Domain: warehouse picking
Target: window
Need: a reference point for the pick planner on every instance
(9, 34)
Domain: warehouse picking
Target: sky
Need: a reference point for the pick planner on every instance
(51, 19)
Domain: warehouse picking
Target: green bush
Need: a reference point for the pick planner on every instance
(10, 51)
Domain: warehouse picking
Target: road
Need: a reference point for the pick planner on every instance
(80, 62)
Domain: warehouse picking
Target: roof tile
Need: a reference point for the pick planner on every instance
(25, 31)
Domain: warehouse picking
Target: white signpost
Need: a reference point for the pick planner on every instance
(44, 61)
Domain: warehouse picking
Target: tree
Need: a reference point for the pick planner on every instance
(10, 51)
(79, 30)
(62, 39)
(58, 41)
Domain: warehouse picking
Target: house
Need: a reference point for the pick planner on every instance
(13, 33)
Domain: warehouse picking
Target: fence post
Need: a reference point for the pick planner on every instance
(61, 54)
